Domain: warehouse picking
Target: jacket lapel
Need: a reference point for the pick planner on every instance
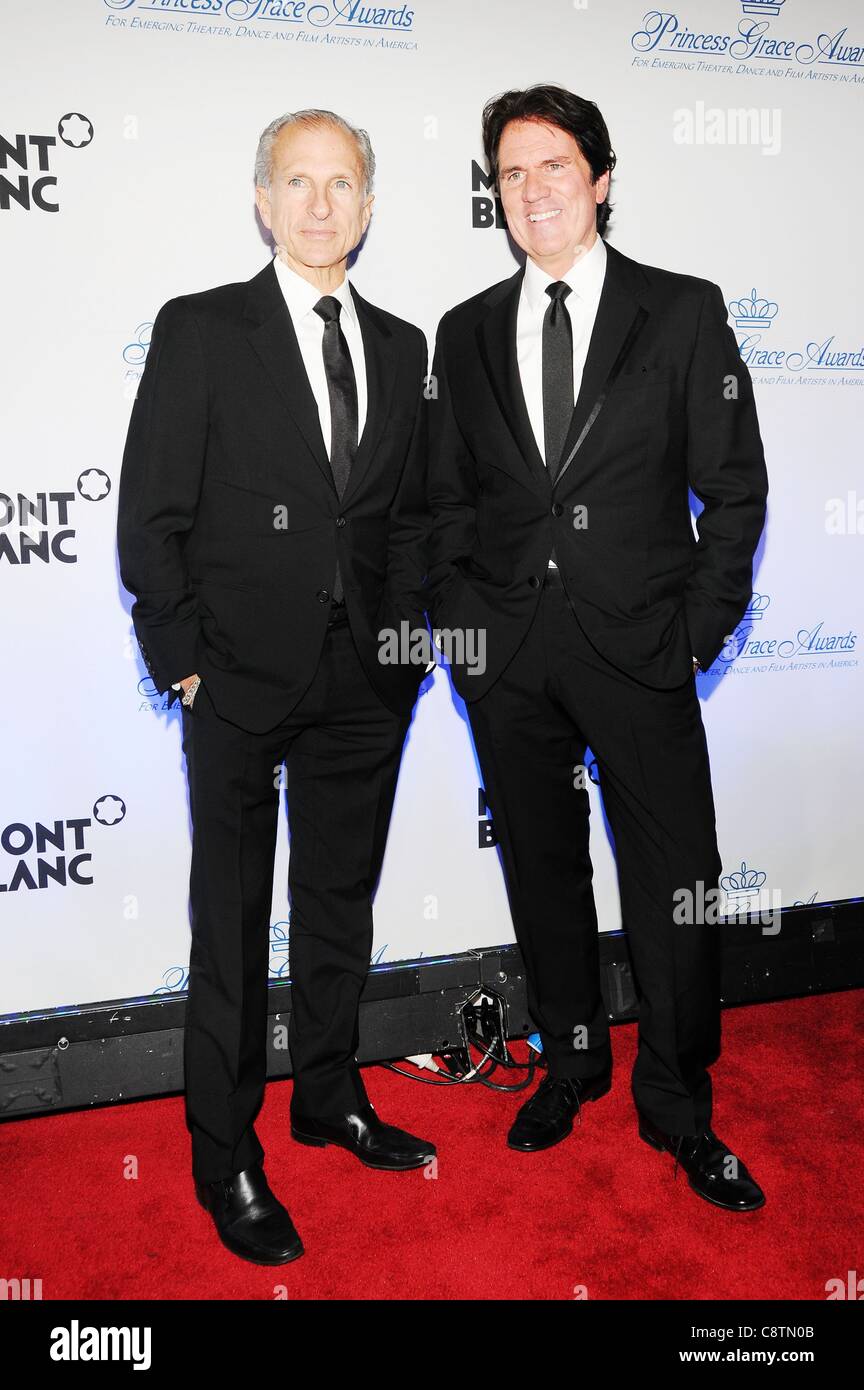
(271, 333)
(380, 379)
(496, 340)
(620, 316)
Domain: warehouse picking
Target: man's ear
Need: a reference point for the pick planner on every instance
(367, 210)
(262, 198)
(601, 188)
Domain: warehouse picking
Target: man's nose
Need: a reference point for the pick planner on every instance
(535, 187)
(320, 205)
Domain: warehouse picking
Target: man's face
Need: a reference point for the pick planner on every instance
(549, 200)
(315, 205)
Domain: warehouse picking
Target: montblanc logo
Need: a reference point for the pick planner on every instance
(486, 206)
(28, 182)
(754, 315)
(39, 527)
(54, 852)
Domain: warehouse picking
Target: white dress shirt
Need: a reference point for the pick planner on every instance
(301, 298)
(585, 278)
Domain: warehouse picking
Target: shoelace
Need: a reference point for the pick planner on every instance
(541, 1097)
(705, 1137)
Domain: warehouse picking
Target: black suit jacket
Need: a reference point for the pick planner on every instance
(665, 402)
(229, 522)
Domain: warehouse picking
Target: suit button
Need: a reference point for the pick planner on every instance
(534, 582)
(323, 596)
(557, 509)
(340, 521)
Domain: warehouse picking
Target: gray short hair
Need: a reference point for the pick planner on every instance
(311, 117)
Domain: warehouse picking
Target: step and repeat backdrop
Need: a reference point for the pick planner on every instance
(128, 131)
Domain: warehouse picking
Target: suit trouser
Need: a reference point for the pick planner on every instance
(342, 747)
(530, 731)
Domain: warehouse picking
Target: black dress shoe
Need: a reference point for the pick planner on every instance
(250, 1221)
(547, 1117)
(362, 1133)
(712, 1170)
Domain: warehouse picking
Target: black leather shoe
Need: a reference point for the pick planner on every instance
(712, 1170)
(362, 1133)
(547, 1117)
(250, 1221)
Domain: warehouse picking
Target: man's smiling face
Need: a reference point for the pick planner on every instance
(548, 197)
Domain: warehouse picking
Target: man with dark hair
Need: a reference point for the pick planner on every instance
(573, 404)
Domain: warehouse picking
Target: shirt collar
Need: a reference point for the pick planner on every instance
(585, 277)
(301, 297)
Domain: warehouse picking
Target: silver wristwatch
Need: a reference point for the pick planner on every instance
(189, 695)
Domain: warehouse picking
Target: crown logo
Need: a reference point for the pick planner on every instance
(753, 312)
(742, 884)
(762, 6)
(755, 610)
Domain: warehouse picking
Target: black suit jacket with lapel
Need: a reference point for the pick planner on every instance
(229, 523)
(665, 402)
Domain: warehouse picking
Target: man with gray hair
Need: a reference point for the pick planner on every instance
(272, 521)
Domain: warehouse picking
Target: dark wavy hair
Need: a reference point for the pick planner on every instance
(553, 106)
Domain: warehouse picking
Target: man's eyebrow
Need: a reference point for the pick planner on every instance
(290, 173)
(551, 159)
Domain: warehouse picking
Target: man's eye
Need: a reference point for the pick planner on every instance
(295, 182)
(514, 175)
(343, 183)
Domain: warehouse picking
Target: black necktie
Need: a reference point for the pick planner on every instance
(342, 390)
(557, 375)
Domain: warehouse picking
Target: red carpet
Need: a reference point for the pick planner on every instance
(600, 1210)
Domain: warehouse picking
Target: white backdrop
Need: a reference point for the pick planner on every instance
(127, 139)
